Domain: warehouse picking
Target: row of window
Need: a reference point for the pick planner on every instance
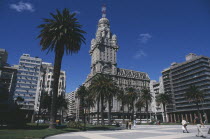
(26, 89)
(190, 68)
(28, 73)
(191, 77)
(192, 81)
(190, 72)
(32, 61)
(190, 64)
(27, 77)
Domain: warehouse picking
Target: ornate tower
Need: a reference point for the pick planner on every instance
(104, 48)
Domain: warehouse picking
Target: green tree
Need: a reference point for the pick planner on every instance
(111, 91)
(61, 34)
(193, 94)
(131, 95)
(62, 104)
(89, 102)
(46, 101)
(81, 94)
(19, 101)
(146, 97)
(121, 96)
(139, 104)
(163, 99)
(100, 86)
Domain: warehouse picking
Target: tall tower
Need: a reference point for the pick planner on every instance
(104, 48)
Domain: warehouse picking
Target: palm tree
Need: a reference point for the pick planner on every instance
(131, 95)
(82, 93)
(89, 102)
(111, 89)
(163, 99)
(62, 104)
(139, 104)
(121, 96)
(193, 94)
(100, 86)
(146, 97)
(60, 34)
(18, 101)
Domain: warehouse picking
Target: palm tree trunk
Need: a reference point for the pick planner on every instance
(84, 119)
(61, 116)
(109, 113)
(56, 74)
(102, 110)
(198, 110)
(132, 111)
(98, 111)
(147, 110)
(123, 113)
(164, 112)
(89, 114)
(140, 115)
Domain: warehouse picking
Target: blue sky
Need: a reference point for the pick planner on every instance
(151, 33)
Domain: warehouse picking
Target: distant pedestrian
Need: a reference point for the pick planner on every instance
(184, 126)
(130, 124)
(199, 122)
(126, 124)
(134, 123)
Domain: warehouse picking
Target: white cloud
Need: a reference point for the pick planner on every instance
(139, 54)
(77, 12)
(22, 6)
(145, 37)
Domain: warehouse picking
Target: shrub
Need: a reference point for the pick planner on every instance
(73, 124)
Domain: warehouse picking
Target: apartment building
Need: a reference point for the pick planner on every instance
(28, 77)
(46, 82)
(178, 78)
(156, 88)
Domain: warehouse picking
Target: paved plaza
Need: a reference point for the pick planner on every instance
(140, 132)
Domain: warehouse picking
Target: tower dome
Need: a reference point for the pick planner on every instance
(103, 20)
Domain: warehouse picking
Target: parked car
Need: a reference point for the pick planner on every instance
(39, 121)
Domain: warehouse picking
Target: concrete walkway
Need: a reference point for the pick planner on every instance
(140, 132)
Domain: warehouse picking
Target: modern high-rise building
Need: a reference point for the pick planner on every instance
(178, 78)
(156, 88)
(71, 98)
(103, 53)
(46, 82)
(28, 77)
(8, 77)
(3, 57)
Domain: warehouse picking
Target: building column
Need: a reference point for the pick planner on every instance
(178, 118)
(186, 118)
(206, 117)
(182, 117)
(167, 117)
(174, 117)
(200, 116)
(171, 117)
(191, 120)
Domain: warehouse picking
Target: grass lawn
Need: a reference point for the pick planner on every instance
(32, 133)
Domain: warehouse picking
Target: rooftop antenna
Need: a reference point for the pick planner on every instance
(103, 9)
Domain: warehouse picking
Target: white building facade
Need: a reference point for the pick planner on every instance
(71, 98)
(46, 82)
(28, 77)
(156, 88)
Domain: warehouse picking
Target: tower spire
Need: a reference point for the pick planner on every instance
(103, 9)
